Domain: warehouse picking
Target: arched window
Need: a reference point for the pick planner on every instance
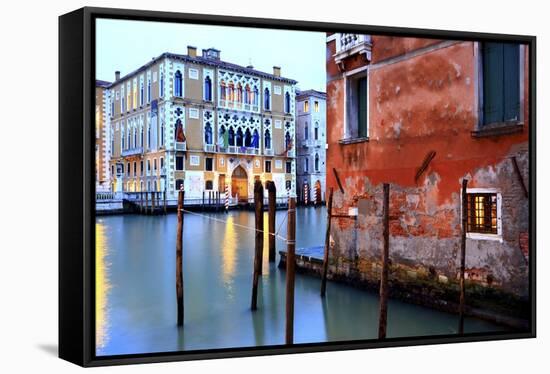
(288, 141)
(247, 95)
(239, 94)
(178, 84)
(207, 89)
(306, 132)
(231, 136)
(316, 162)
(256, 94)
(141, 136)
(231, 91)
(239, 138)
(141, 94)
(208, 133)
(179, 136)
(247, 138)
(267, 99)
(149, 136)
(135, 138)
(223, 89)
(267, 139)
(149, 90)
(222, 141)
(161, 85)
(161, 134)
(316, 134)
(255, 139)
(287, 102)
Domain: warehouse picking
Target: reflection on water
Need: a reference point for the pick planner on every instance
(136, 297)
(101, 287)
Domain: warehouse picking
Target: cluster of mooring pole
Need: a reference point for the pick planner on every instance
(179, 258)
(258, 240)
(463, 256)
(155, 200)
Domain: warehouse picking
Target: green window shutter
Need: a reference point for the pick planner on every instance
(493, 85)
(511, 82)
(362, 114)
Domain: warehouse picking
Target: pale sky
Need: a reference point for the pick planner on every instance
(126, 45)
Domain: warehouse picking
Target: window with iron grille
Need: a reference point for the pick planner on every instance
(482, 213)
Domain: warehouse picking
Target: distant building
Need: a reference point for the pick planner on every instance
(204, 123)
(311, 145)
(422, 115)
(102, 152)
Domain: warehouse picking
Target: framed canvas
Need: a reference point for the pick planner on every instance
(236, 186)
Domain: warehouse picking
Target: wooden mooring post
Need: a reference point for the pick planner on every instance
(153, 193)
(463, 256)
(383, 314)
(179, 259)
(290, 270)
(327, 245)
(259, 241)
(146, 202)
(272, 190)
(164, 201)
(141, 201)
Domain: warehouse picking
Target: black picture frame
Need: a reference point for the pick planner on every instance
(77, 191)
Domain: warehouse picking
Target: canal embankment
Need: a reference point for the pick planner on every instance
(428, 290)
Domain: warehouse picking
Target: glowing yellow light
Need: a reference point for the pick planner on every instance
(102, 287)
(480, 213)
(229, 251)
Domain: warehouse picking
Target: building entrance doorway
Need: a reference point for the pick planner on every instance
(239, 184)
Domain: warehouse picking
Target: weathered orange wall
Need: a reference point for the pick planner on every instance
(420, 104)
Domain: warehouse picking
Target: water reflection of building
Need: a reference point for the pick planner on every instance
(101, 136)
(311, 145)
(201, 122)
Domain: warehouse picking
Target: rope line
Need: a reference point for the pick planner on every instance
(237, 224)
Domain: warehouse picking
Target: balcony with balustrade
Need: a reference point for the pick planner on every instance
(350, 44)
(181, 146)
(132, 152)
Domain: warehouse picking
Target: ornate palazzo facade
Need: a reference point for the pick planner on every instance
(201, 122)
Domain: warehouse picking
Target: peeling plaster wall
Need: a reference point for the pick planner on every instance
(424, 102)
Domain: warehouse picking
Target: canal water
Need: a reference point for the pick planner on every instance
(136, 297)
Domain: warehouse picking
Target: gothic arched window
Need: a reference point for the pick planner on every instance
(178, 84)
(256, 94)
(247, 95)
(316, 162)
(239, 140)
(231, 136)
(223, 92)
(179, 136)
(247, 138)
(207, 89)
(208, 133)
(288, 141)
(287, 102)
(267, 139)
(267, 99)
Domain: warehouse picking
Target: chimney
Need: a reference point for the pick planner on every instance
(117, 75)
(191, 51)
(277, 71)
(249, 67)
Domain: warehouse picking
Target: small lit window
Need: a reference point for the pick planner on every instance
(482, 213)
(306, 106)
(316, 106)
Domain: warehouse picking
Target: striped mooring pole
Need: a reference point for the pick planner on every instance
(315, 196)
(306, 194)
(288, 194)
(226, 198)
